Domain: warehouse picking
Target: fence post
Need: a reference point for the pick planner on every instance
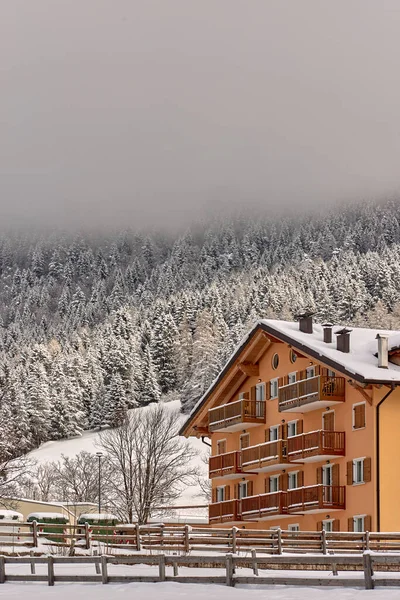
(234, 539)
(2, 569)
(162, 535)
(367, 540)
(279, 540)
(138, 544)
(175, 565)
(50, 569)
(367, 563)
(161, 567)
(104, 571)
(229, 570)
(187, 546)
(87, 536)
(323, 541)
(254, 561)
(33, 566)
(96, 562)
(35, 534)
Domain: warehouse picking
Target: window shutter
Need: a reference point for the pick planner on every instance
(284, 431)
(317, 369)
(227, 492)
(335, 474)
(267, 435)
(300, 426)
(214, 495)
(303, 375)
(300, 479)
(350, 524)
(349, 475)
(283, 479)
(236, 491)
(319, 525)
(324, 371)
(367, 523)
(268, 390)
(359, 416)
(336, 525)
(249, 488)
(266, 485)
(281, 382)
(253, 392)
(319, 475)
(367, 470)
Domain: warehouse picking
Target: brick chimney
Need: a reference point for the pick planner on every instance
(305, 321)
(343, 339)
(327, 332)
(383, 350)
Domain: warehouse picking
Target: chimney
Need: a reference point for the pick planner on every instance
(383, 350)
(343, 340)
(305, 322)
(327, 332)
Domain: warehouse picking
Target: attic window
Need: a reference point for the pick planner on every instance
(275, 361)
(293, 356)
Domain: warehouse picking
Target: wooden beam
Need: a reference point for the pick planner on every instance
(249, 369)
(361, 389)
(201, 430)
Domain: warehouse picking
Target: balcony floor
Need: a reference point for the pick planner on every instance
(222, 475)
(309, 406)
(215, 428)
(264, 516)
(267, 467)
(312, 511)
(311, 459)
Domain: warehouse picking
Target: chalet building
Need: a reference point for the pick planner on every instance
(304, 422)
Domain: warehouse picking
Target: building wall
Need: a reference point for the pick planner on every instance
(26, 507)
(360, 499)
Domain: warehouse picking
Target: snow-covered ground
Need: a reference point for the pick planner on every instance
(52, 451)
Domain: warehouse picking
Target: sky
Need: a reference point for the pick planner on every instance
(153, 112)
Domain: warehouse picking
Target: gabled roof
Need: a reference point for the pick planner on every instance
(359, 364)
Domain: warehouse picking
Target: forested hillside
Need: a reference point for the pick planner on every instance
(91, 326)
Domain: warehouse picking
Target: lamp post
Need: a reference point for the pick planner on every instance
(99, 456)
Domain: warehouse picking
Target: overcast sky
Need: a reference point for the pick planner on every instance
(138, 111)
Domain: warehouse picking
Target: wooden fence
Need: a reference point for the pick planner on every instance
(368, 570)
(185, 539)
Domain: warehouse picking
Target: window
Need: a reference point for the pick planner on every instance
(241, 395)
(291, 428)
(293, 356)
(273, 387)
(260, 391)
(359, 415)
(275, 361)
(358, 470)
(244, 440)
(242, 490)
(220, 494)
(274, 483)
(292, 377)
(294, 527)
(292, 480)
(331, 373)
(274, 433)
(327, 525)
(221, 447)
(310, 372)
(359, 523)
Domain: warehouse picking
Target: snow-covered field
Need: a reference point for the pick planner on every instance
(52, 451)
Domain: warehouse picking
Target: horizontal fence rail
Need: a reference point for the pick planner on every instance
(367, 570)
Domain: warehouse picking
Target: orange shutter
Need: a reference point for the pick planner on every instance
(227, 492)
(367, 470)
(302, 375)
(236, 491)
(267, 435)
(281, 382)
(336, 525)
(319, 475)
(359, 416)
(214, 495)
(283, 479)
(335, 474)
(319, 525)
(350, 524)
(300, 426)
(284, 431)
(253, 392)
(317, 369)
(267, 390)
(300, 479)
(249, 488)
(266, 485)
(349, 473)
(367, 523)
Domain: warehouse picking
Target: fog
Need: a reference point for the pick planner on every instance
(138, 112)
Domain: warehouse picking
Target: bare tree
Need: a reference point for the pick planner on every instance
(203, 480)
(76, 479)
(12, 473)
(151, 463)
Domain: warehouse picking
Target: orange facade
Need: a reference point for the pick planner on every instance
(294, 443)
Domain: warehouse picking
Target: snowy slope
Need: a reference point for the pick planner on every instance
(52, 451)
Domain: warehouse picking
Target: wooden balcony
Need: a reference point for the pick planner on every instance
(316, 499)
(264, 506)
(310, 394)
(315, 446)
(236, 415)
(265, 457)
(224, 512)
(224, 465)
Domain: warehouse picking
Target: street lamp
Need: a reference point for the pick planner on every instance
(99, 456)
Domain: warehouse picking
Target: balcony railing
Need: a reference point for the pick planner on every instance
(316, 498)
(310, 446)
(231, 416)
(264, 457)
(224, 465)
(228, 510)
(320, 390)
(264, 505)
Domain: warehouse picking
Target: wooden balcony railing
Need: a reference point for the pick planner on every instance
(320, 388)
(219, 512)
(316, 497)
(223, 465)
(263, 455)
(264, 505)
(316, 443)
(235, 414)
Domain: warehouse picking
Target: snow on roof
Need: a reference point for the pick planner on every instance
(98, 517)
(9, 514)
(46, 515)
(361, 360)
